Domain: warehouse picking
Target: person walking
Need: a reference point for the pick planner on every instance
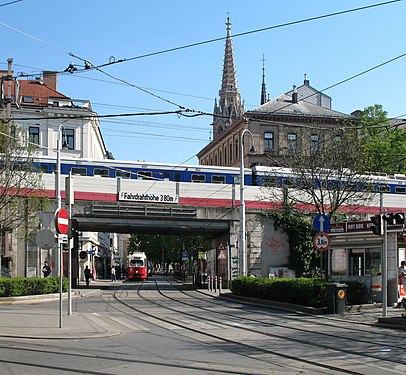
(88, 275)
(113, 273)
(46, 270)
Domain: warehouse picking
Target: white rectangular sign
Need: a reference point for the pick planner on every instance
(148, 197)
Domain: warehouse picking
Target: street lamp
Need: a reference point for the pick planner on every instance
(243, 247)
(58, 207)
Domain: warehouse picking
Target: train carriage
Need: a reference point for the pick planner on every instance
(137, 266)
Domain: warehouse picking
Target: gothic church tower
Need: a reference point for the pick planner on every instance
(230, 106)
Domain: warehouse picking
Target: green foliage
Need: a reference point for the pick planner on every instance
(27, 286)
(303, 258)
(300, 291)
(166, 248)
(383, 144)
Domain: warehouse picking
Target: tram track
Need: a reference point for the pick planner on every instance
(263, 352)
(339, 325)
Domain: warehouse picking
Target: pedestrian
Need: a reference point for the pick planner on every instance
(113, 273)
(88, 275)
(402, 273)
(46, 270)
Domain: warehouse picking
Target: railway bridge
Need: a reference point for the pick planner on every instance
(165, 207)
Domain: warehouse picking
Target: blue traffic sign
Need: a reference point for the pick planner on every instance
(321, 223)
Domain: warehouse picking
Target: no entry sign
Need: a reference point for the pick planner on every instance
(61, 221)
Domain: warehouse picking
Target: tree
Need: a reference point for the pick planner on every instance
(165, 248)
(328, 171)
(20, 182)
(383, 144)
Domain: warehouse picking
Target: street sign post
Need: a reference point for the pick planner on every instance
(321, 223)
(61, 221)
(321, 241)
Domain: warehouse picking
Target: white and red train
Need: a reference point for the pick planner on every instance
(137, 266)
(195, 185)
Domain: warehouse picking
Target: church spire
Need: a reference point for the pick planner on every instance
(229, 106)
(263, 89)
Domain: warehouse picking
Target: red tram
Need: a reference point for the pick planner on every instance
(137, 266)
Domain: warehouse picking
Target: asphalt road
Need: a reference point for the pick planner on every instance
(162, 327)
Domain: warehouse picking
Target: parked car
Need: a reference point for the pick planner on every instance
(5, 272)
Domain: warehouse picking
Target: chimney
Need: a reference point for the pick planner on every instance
(50, 79)
(306, 81)
(294, 94)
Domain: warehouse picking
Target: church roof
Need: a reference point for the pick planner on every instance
(285, 105)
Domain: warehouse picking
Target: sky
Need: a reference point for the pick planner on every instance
(49, 35)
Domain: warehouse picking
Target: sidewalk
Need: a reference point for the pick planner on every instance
(37, 321)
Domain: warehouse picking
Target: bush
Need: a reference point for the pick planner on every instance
(300, 291)
(27, 286)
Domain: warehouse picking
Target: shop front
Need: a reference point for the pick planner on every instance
(356, 254)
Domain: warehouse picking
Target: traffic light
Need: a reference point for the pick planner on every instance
(376, 226)
(73, 232)
(397, 218)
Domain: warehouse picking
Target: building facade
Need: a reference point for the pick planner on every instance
(44, 114)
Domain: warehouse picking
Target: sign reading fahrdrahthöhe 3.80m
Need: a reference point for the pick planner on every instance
(148, 197)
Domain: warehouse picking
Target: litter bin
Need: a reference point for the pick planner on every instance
(336, 295)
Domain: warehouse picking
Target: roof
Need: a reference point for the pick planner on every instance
(36, 90)
(284, 105)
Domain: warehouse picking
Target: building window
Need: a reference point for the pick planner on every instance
(69, 137)
(33, 135)
(28, 99)
(236, 149)
(231, 153)
(268, 141)
(292, 141)
(314, 143)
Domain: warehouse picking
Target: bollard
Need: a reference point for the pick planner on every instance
(215, 284)
(209, 283)
(221, 285)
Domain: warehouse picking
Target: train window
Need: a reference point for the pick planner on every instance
(177, 177)
(102, 172)
(76, 171)
(383, 188)
(166, 176)
(123, 174)
(400, 189)
(144, 175)
(270, 181)
(198, 178)
(44, 168)
(218, 179)
(136, 262)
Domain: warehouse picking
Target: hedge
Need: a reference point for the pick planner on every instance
(28, 286)
(300, 291)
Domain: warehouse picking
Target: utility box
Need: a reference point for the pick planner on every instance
(336, 295)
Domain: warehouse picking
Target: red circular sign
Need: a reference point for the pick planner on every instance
(321, 241)
(62, 221)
